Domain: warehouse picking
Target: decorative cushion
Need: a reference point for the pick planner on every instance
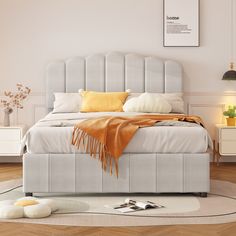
(98, 101)
(50, 202)
(37, 211)
(27, 198)
(11, 212)
(6, 202)
(174, 99)
(25, 203)
(67, 102)
(147, 102)
(30, 207)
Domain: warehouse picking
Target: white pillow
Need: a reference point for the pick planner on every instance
(175, 100)
(67, 102)
(26, 198)
(7, 203)
(147, 102)
(50, 202)
(11, 212)
(37, 211)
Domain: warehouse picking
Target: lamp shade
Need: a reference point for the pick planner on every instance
(230, 74)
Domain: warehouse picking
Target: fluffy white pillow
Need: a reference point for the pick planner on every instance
(44, 208)
(37, 211)
(26, 198)
(67, 102)
(11, 212)
(50, 202)
(147, 102)
(6, 203)
(174, 99)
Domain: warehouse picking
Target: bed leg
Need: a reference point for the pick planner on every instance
(203, 194)
(29, 194)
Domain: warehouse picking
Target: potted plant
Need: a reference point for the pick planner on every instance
(231, 113)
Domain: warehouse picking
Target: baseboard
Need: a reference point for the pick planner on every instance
(10, 159)
(225, 159)
(228, 159)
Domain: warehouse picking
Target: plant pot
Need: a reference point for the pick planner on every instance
(230, 121)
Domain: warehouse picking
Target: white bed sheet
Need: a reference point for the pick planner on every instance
(53, 135)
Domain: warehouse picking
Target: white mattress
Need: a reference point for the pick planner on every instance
(53, 135)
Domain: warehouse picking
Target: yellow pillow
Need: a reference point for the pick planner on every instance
(97, 101)
(25, 203)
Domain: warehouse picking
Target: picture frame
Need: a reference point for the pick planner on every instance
(181, 23)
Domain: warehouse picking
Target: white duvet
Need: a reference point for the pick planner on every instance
(53, 135)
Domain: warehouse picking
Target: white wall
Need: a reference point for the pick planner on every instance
(34, 32)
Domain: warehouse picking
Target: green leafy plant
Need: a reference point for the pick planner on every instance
(231, 112)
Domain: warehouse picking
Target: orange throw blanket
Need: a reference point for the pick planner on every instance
(108, 136)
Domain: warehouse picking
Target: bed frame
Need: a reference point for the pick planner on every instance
(138, 172)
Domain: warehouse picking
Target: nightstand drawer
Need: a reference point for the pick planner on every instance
(228, 134)
(10, 148)
(227, 147)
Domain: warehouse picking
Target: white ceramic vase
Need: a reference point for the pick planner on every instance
(7, 112)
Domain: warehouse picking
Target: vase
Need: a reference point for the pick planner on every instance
(230, 121)
(7, 112)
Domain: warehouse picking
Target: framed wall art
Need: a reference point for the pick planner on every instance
(181, 23)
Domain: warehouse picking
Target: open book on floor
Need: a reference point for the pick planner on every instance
(132, 206)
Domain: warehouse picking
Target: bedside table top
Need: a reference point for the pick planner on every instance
(220, 126)
(21, 126)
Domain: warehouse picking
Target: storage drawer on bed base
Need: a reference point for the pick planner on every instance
(170, 173)
(36, 173)
(137, 173)
(112, 184)
(88, 175)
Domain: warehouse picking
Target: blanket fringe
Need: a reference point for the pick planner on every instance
(92, 146)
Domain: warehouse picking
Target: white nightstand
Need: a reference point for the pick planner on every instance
(10, 140)
(225, 140)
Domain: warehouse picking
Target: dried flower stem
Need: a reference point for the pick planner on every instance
(15, 99)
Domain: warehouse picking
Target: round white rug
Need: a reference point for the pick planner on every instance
(92, 210)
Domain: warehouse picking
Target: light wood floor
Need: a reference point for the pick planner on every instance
(226, 171)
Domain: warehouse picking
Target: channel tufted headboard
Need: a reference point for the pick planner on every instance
(113, 72)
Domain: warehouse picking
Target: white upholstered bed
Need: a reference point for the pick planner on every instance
(158, 159)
